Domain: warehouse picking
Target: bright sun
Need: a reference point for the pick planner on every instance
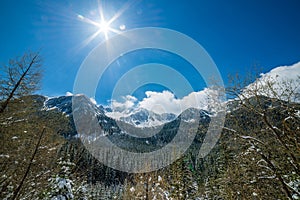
(105, 27)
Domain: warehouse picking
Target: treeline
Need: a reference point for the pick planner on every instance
(256, 157)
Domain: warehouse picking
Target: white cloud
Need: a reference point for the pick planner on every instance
(165, 102)
(122, 109)
(128, 103)
(162, 102)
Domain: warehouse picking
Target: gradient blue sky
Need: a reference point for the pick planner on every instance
(236, 34)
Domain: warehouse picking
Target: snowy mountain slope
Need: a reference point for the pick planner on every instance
(64, 104)
(132, 124)
(139, 118)
(281, 82)
(145, 118)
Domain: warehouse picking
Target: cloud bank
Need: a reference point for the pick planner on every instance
(284, 79)
(162, 102)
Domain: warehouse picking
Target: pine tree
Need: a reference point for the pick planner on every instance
(183, 184)
(61, 185)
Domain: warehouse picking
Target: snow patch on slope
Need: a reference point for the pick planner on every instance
(281, 82)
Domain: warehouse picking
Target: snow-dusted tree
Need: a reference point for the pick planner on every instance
(19, 78)
(66, 185)
(146, 186)
(267, 124)
(182, 185)
(61, 185)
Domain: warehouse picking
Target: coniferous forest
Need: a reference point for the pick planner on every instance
(256, 157)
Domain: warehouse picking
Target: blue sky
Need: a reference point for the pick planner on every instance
(237, 34)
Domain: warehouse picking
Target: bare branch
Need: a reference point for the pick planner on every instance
(22, 78)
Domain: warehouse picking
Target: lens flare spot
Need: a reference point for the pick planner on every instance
(122, 27)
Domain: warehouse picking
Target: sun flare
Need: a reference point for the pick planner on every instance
(105, 27)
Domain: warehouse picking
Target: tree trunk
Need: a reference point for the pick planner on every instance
(16, 192)
(11, 94)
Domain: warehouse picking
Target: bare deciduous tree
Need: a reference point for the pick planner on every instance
(268, 127)
(19, 78)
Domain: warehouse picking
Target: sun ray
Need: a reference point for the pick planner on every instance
(90, 38)
(116, 31)
(104, 25)
(100, 10)
(87, 20)
(120, 12)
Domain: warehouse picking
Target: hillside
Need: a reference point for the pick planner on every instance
(256, 157)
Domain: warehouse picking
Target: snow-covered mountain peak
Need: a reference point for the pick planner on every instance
(64, 103)
(282, 82)
(143, 118)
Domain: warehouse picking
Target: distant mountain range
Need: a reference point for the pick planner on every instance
(140, 118)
